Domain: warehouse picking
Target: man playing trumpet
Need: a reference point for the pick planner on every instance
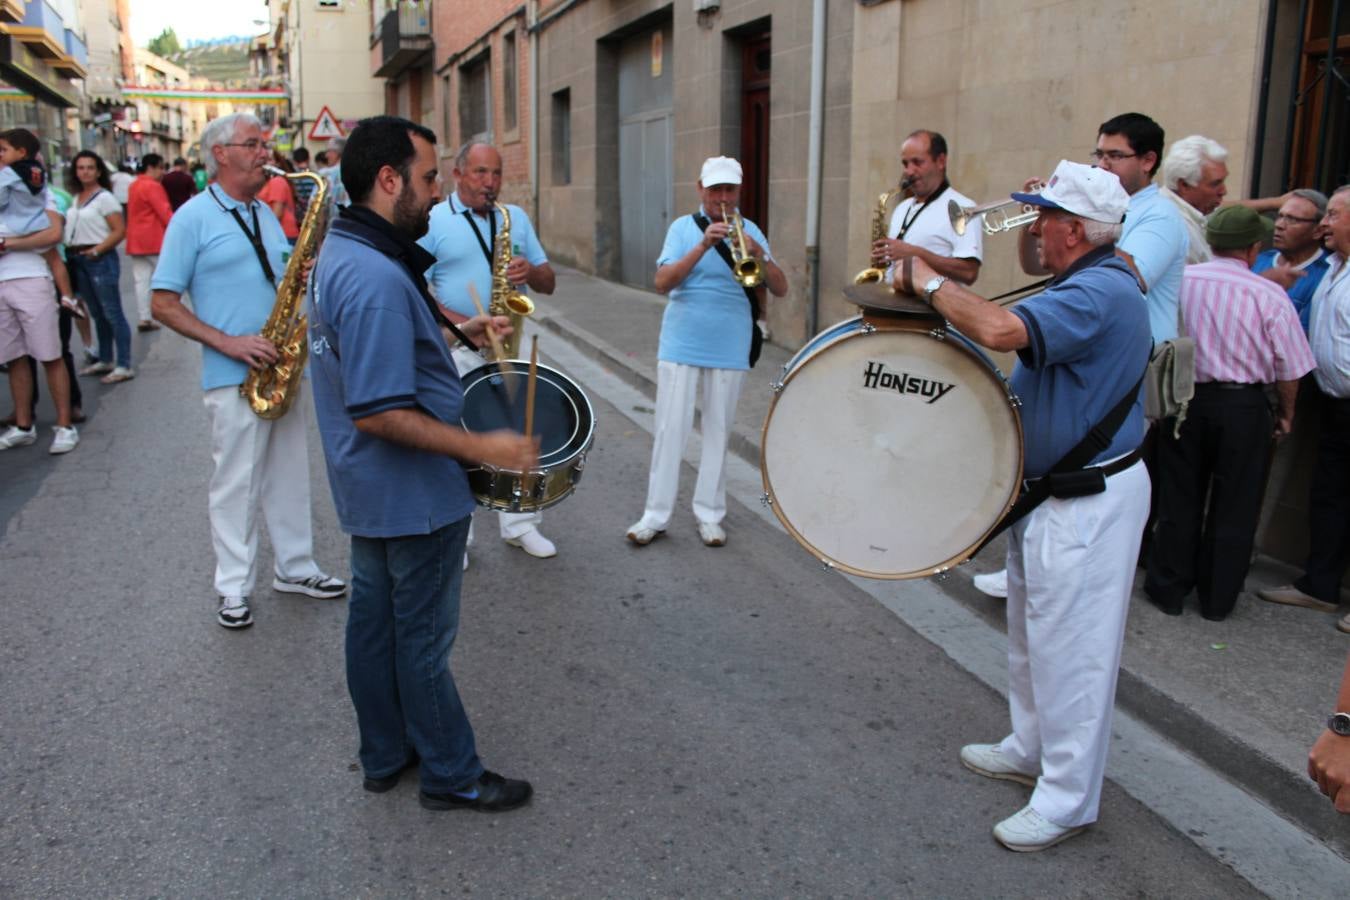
(920, 226)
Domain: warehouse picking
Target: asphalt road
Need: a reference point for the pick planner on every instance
(696, 722)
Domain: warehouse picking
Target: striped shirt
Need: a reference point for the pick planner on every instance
(1329, 328)
(1244, 327)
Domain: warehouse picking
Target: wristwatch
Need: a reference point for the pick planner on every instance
(932, 286)
(1339, 723)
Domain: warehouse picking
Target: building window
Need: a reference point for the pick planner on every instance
(509, 82)
(562, 136)
(446, 120)
(475, 101)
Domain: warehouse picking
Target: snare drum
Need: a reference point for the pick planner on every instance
(563, 421)
(891, 452)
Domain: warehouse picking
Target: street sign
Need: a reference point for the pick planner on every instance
(326, 126)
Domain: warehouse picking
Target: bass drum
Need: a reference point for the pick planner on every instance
(891, 452)
(563, 420)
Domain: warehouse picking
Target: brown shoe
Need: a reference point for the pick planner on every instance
(1292, 596)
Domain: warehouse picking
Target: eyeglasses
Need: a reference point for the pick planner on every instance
(252, 145)
(1113, 155)
(1285, 217)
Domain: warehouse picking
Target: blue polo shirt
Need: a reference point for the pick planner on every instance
(1089, 343)
(459, 256)
(707, 321)
(1155, 237)
(374, 346)
(207, 254)
(1301, 293)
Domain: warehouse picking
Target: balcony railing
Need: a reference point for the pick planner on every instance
(404, 37)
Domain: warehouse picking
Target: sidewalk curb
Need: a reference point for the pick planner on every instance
(1290, 794)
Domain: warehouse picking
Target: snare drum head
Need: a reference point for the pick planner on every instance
(892, 454)
(562, 415)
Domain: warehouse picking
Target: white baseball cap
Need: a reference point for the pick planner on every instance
(720, 170)
(1085, 191)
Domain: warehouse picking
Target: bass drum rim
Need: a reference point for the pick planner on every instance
(952, 338)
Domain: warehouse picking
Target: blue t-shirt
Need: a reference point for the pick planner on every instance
(1155, 237)
(459, 256)
(1089, 345)
(707, 321)
(1301, 293)
(207, 254)
(374, 346)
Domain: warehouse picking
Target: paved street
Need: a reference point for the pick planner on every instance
(696, 722)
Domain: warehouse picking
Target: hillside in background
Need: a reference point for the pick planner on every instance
(224, 62)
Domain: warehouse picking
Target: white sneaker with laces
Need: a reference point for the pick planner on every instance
(712, 534)
(1027, 831)
(65, 440)
(321, 586)
(234, 613)
(995, 584)
(988, 760)
(642, 535)
(15, 436)
(534, 543)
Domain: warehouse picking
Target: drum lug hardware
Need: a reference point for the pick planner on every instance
(1014, 401)
(938, 333)
(869, 328)
(766, 501)
(826, 566)
(776, 387)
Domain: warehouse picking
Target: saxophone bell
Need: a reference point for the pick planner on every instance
(876, 274)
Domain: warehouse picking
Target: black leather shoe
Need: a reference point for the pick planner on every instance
(490, 793)
(388, 782)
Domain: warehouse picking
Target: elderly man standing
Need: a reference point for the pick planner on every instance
(462, 237)
(1082, 345)
(226, 248)
(1298, 260)
(1210, 474)
(1329, 495)
(920, 226)
(705, 332)
(1194, 172)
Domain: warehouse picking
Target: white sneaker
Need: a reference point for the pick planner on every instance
(65, 440)
(1028, 831)
(988, 760)
(995, 584)
(642, 535)
(320, 587)
(712, 534)
(534, 543)
(234, 613)
(15, 436)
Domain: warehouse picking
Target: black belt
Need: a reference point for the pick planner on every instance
(1227, 385)
(80, 248)
(1120, 465)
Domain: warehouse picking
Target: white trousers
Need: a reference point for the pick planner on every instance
(511, 525)
(676, 385)
(142, 267)
(260, 465)
(1070, 574)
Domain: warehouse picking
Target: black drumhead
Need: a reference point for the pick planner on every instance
(494, 400)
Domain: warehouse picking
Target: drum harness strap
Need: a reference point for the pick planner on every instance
(756, 339)
(1069, 477)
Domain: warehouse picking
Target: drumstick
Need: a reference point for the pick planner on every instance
(489, 329)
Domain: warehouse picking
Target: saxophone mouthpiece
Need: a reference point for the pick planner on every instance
(907, 182)
(273, 170)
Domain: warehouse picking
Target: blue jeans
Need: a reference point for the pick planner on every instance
(401, 623)
(96, 281)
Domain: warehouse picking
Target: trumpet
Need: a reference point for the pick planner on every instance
(874, 274)
(998, 216)
(747, 269)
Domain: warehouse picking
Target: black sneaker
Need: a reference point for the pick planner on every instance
(320, 586)
(490, 793)
(389, 782)
(234, 612)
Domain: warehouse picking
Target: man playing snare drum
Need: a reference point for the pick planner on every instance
(1083, 342)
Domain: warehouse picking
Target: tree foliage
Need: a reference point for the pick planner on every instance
(166, 44)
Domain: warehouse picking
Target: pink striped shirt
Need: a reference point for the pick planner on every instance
(1245, 329)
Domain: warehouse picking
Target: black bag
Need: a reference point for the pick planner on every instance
(752, 294)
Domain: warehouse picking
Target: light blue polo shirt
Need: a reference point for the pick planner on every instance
(1155, 237)
(206, 254)
(459, 256)
(707, 321)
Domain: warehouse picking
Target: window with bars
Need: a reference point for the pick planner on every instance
(475, 101)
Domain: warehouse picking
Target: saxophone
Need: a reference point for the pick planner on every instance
(872, 274)
(506, 300)
(271, 390)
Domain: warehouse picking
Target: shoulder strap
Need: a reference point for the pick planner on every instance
(725, 252)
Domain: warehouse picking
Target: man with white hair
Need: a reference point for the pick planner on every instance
(1082, 346)
(226, 248)
(1194, 171)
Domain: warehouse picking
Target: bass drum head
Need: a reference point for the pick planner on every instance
(563, 420)
(892, 454)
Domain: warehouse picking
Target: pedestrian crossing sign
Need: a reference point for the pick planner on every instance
(326, 126)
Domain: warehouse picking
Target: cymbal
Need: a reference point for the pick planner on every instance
(882, 298)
